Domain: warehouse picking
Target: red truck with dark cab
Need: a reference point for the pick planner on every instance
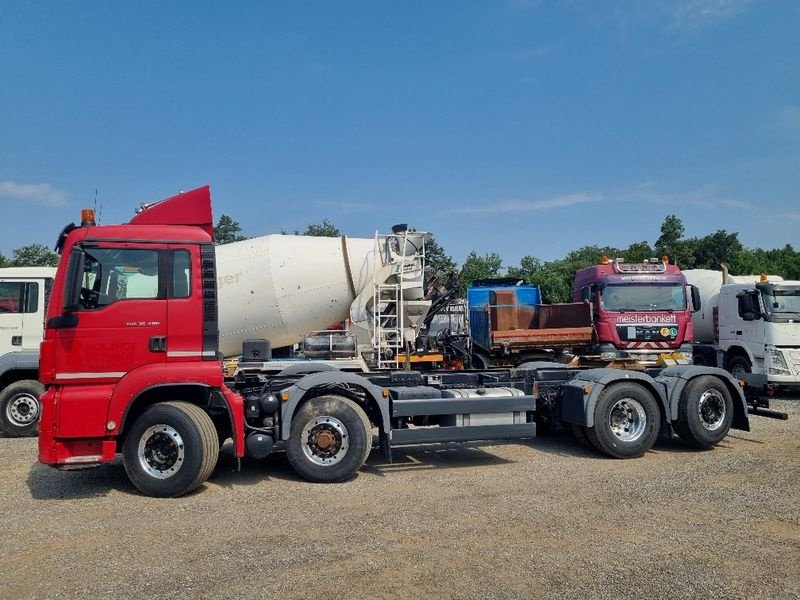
(641, 310)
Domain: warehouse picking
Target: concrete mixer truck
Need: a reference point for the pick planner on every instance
(748, 324)
(136, 370)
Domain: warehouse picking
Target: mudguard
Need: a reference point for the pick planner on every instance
(26, 361)
(301, 388)
(577, 404)
(675, 379)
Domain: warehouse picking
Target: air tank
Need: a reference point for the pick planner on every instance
(281, 287)
(708, 283)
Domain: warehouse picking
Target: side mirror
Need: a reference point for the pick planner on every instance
(586, 293)
(72, 281)
(696, 303)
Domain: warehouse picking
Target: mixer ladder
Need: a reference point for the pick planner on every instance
(388, 324)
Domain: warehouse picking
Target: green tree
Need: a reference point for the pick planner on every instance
(34, 255)
(227, 230)
(439, 264)
(479, 267)
(709, 251)
(324, 229)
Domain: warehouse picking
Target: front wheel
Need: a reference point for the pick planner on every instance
(626, 421)
(20, 408)
(738, 366)
(171, 449)
(705, 412)
(329, 440)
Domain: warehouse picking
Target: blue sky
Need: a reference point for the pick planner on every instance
(516, 126)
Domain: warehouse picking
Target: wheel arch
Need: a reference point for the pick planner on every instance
(578, 404)
(675, 380)
(349, 385)
(194, 393)
(739, 350)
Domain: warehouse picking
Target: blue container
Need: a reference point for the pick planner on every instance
(478, 299)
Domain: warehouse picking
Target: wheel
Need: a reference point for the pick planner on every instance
(579, 431)
(330, 439)
(171, 449)
(626, 421)
(20, 408)
(705, 412)
(738, 366)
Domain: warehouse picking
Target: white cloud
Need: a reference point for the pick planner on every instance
(707, 196)
(692, 14)
(37, 193)
(669, 16)
(520, 206)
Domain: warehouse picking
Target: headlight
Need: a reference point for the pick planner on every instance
(776, 363)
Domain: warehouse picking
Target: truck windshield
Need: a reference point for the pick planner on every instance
(643, 297)
(782, 302)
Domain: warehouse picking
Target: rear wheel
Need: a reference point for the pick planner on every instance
(626, 421)
(705, 412)
(20, 408)
(171, 449)
(329, 440)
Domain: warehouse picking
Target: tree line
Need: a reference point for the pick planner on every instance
(555, 277)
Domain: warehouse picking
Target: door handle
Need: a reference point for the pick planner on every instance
(16, 340)
(158, 343)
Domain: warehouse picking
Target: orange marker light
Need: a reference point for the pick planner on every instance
(604, 260)
(764, 277)
(87, 217)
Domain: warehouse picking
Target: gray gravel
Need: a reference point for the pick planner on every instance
(546, 519)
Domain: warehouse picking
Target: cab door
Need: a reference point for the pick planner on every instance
(119, 301)
(186, 305)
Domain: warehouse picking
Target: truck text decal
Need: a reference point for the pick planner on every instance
(647, 319)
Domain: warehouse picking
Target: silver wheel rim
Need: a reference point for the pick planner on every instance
(161, 451)
(627, 420)
(23, 409)
(711, 409)
(325, 440)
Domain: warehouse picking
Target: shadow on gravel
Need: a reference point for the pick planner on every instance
(434, 456)
(47, 483)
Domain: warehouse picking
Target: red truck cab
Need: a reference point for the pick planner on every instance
(144, 294)
(641, 310)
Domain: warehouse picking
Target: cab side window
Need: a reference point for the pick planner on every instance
(11, 296)
(114, 274)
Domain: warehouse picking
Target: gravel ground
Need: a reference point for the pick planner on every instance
(541, 519)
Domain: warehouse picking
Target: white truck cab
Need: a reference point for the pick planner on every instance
(759, 330)
(24, 292)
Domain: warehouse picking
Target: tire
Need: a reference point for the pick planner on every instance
(330, 439)
(705, 412)
(171, 449)
(738, 366)
(20, 408)
(579, 431)
(626, 421)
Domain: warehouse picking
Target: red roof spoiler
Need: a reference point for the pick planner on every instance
(187, 208)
